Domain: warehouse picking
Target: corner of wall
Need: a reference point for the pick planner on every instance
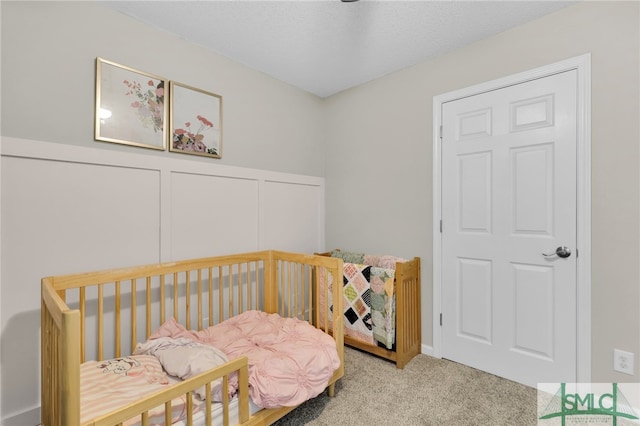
(30, 417)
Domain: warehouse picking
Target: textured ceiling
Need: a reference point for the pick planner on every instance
(324, 47)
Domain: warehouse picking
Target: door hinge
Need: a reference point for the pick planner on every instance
(440, 319)
(441, 226)
(441, 131)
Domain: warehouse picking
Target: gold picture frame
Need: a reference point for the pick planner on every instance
(195, 118)
(130, 106)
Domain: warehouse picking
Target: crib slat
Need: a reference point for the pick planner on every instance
(163, 299)
(326, 295)
(118, 349)
(309, 303)
(243, 399)
(100, 322)
(189, 397)
(249, 298)
(225, 401)
(297, 282)
(176, 313)
(148, 307)
(167, 413)
(288, 287)
(258, 288)
(238, 281)
(187, 302)
(207, 404)
(230, 291)
(199, 299)
(241, 285)
(297, 291)
(210, 297)
(83, 309)
(220, 295)
(234, 271)
(281, 272)
(286, 279)
(299, 287)
(134, 316)
(299, 297)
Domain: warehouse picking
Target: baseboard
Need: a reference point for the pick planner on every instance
(427, 350)
(26, 418)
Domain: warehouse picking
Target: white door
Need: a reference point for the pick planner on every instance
(508, 202)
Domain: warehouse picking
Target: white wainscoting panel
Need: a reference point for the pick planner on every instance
(212, 215)
(292, 212)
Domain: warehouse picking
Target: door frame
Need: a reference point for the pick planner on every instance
(582, 64)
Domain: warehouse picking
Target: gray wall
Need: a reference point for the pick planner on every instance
(379, 157)
(48, 61)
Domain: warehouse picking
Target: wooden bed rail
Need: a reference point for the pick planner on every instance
(104, 314)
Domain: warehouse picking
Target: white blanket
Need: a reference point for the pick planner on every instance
(185, 358)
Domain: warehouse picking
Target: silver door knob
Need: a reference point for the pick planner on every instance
(561, 251)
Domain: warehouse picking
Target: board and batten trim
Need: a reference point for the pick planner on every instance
(167, 166)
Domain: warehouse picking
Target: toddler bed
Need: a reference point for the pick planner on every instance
(195, 336)
(381, 304)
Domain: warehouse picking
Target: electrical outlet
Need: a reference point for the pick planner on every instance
(623, 361)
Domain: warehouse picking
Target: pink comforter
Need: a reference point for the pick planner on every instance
(290, 361)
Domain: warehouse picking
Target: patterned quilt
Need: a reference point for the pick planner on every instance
(369, 303)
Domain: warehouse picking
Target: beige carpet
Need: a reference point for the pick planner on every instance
(428, 391)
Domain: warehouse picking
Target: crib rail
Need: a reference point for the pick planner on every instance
(143, 406)
(60, 349)
(198, 293)
(104, 314)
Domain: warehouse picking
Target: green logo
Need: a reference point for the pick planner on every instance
(565, 404)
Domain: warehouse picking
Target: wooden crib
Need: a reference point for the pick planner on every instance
(408, 316)
(102, 315)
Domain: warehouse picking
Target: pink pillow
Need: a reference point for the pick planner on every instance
(172, 328)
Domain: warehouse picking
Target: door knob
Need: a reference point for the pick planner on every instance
(561, 251)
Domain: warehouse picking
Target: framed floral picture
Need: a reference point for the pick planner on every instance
(196, 121)
(130, 106)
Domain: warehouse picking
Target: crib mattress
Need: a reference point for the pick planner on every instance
(106, 386)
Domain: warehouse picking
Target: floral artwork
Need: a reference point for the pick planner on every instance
(130, 106)
(196, 121)
(186, 140)
(148, 103)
